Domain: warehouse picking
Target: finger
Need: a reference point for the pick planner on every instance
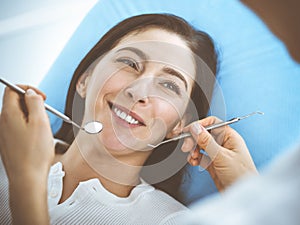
(193, 162)
(35, 106)
(195, 154)
(39, 92)
(233, 140)
(210, 120)
(205, 122)
(220, 134)
(204, 161)
(217, 133)
(204, 140)
(188, 144)
(10, 98)
(11, 105)
(199, 159)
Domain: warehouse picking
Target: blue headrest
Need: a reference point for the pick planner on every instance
(256, 72)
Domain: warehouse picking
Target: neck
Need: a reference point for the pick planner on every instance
(116, 173)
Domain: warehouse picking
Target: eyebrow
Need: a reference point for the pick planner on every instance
(175, 73)
(138, 52)
(168, 70)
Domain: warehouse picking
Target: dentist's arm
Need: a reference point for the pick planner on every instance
(27, 151)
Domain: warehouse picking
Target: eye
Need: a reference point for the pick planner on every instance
(171, 86)
(129, 62)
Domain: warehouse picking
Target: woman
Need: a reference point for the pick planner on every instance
(137, 81)
(202, 48)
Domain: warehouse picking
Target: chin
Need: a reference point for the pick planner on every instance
(122, 143)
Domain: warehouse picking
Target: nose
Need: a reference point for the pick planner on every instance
(138, 92)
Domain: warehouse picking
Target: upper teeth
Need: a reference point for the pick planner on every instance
(125, 116)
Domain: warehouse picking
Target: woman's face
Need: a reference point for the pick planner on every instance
(140, 89)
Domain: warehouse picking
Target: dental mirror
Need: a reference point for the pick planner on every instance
(92, 127)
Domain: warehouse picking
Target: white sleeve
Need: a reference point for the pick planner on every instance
(272, 198)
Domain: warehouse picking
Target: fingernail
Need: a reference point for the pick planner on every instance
(185, 147)
(196, 128)
(30, 92)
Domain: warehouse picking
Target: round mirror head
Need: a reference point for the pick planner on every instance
(93, 127)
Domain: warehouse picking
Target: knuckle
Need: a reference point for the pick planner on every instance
(210, 120)
(211, 117)
(215, 119)
(35, 97)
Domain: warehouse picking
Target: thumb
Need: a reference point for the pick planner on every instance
(205, 140)
(35, 105)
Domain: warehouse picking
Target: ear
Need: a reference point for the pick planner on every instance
(177, 129)
(82, 84)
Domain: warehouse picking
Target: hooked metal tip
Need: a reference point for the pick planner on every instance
(251, 114)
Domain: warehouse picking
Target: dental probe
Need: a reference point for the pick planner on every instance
(213, 126)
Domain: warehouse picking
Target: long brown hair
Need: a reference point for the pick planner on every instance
(200, 44)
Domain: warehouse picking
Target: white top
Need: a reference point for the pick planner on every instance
(91, 203)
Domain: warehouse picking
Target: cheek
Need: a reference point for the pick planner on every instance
(106, 78)
(99, 88)
(167, 113)
(115, 83)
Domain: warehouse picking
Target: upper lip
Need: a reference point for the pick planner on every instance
(127, 111)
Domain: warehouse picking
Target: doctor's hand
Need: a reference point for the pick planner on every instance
(27, 151)
(26, 141)
(226, 155)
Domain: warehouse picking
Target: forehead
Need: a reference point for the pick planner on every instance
(163, 47)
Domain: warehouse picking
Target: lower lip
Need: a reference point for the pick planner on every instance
(123, 122)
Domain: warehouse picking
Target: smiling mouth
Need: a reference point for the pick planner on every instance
(126, 115)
